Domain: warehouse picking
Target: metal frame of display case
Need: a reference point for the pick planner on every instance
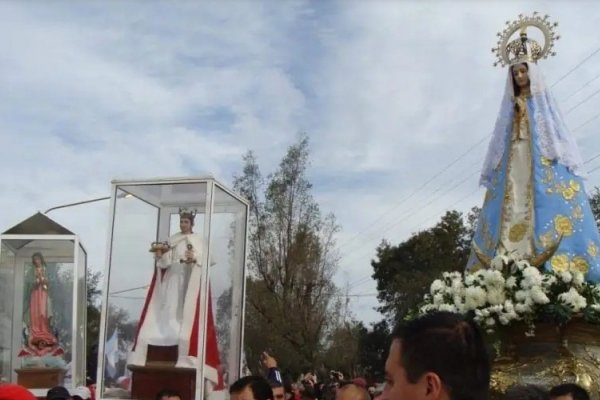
(76, 370)
(211, 183)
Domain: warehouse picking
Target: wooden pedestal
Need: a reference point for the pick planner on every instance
(160, 373)
(147, 381)
(40, 378)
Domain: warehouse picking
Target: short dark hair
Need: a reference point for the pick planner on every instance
(526, 392)
(576, 391)
(168, 393)
(450, 346)
(275, 384)
(261, 390)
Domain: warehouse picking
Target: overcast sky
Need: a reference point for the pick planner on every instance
(389, 92)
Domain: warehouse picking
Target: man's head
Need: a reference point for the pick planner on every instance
(437, 356)
(352, 392)
(526, 392)
(569, 391)
(168, 394)
(251, 388)
(278, 390)
(58, 393)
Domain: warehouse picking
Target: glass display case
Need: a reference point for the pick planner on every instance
(174, 286)
(42, 306)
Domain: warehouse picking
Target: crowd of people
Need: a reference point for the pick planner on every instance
(439, 356)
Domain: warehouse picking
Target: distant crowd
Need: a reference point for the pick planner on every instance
(439, 356)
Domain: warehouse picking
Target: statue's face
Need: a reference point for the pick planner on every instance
(521, 75)
(37, 261)
(185, 225)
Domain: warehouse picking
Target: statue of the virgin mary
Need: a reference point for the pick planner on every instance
(535, 207)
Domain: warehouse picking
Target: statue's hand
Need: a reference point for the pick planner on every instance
(189, 254)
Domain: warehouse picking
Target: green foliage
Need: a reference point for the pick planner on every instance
(292, 302)
(373, 349)
(93, 321)
(556, 313)
(405, 271)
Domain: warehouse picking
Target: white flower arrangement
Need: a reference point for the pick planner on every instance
(513, 290)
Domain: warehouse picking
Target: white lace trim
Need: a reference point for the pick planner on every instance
(555, 141)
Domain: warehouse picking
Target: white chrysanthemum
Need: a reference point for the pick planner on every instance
(538, 295)
(573, 299)
(503, 319)
(509, 306)
(427, 308)
(522, 264)
(595, 307)
(511, 282)
(438, 298)
(531, 277)
(522, 308)
(475, 297)
(497, 263)
(490, 322)
(494, 278)
(548, 280)
(447, 307)
(495, 296)
(566, 276)
(437, 286)
(469, 279)
(578, 278)
(521, 295)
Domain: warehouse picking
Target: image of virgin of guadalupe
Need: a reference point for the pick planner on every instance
(535, 207)
(39, 339)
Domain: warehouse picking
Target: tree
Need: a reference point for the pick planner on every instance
(292, 259)
(595, 204)
(93, 322)
(373, 349)
(404, 272)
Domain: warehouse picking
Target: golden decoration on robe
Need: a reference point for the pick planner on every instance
(546, 162)
(592, 249)
(563, 225)
(517, 232)
(573, 184)
(546, 239)
(580, 264)
(568, 193)
(548, 176)
(560, 263)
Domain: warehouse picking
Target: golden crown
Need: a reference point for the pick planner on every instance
(187, 213)
(525, 49)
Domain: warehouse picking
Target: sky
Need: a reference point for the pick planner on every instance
(398, 98)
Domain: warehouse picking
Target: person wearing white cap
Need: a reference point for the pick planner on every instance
(81, 393)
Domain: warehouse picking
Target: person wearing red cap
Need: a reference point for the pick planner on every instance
(15, 392)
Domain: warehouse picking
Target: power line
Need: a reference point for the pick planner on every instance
(586, 122)
(365, 279)
(410, 213)
(576, 66)
(582, 87)
(582, 102)
(436, 175)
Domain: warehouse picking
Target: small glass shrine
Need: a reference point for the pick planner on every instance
(42, 306)
(173, 304)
